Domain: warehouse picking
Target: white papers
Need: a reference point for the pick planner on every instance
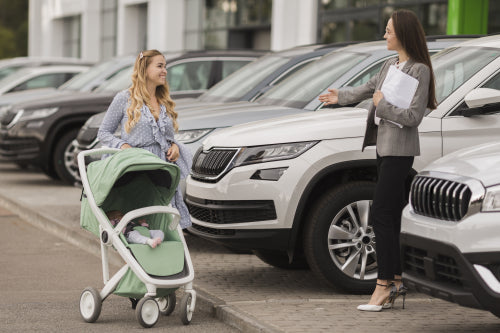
(399, 88)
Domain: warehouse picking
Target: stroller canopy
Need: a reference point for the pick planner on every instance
(120, 168)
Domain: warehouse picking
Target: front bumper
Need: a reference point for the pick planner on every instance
(244, 212)
(443, 271)
(19, 150)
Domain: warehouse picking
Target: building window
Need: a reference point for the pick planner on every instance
(221, 24)
(363, 20)
(72, 36)
(108, 28)
(493, 14)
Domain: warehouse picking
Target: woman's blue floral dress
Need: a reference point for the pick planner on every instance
(154, 136)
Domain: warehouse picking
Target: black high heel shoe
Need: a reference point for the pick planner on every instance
(395, 293)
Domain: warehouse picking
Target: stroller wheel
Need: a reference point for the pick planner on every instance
(167, 304)
(186, 309)
(147, 312)
(90, 305)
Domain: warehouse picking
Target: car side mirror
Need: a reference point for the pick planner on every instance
(482, 96)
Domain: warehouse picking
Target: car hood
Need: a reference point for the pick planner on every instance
(27, 95)
(306, 126)
(481, 162)
(229, 114)
(69, 99)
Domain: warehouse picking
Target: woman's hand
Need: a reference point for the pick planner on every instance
(377, 96)
(331, 98)
(125, 146)
(173, 153)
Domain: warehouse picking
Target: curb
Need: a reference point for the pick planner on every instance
(217, 307)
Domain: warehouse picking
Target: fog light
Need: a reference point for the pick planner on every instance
(269, 174)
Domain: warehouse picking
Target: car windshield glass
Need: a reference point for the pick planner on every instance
(300, 88)
(8, 70)
(454, 66)
(81, 80)
(120, 81)
(242, 81)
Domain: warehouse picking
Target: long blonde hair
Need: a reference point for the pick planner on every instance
(139, 95)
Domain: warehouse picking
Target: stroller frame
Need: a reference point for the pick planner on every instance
(110, 236)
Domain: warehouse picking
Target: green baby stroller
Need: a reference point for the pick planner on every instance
(139, 184)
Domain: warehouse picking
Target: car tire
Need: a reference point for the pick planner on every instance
(63, 158)
(338, 239)
(280, 259)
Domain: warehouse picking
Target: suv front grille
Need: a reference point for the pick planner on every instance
(436, 267)
(231, 211)
(440, 198)
(209, 166)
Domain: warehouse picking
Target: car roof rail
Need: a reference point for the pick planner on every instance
(341, 44)
(436, 37)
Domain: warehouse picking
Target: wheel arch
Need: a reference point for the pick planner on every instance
(62, 126)
(332, 175)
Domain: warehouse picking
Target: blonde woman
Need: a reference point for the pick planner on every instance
(147, 119)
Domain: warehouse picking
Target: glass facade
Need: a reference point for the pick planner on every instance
(72, 36)
(493, 15)
(108, 28)
(228, 24)
(365, 20)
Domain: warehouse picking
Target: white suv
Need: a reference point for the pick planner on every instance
(299, 187)
(450, 237)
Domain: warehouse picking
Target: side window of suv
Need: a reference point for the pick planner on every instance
(43, 81)
(362, 79)
(494, 83)
(192, 75)
(366, 75)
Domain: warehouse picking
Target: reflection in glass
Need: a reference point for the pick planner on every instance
(454, 66)
(242, 81)
(300, 88)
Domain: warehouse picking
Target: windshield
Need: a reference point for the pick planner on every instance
(120, 81)
(8, 70)
(245, 79)
(454, 66)
(300, 88)
(81, 80)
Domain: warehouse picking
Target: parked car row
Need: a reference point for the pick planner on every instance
(278, 173)
(299, 187)
(247, 96)
(40, 131)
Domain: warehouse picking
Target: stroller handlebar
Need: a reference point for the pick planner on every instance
(133, 214)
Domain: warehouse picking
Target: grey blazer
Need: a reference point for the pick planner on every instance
(390, 139)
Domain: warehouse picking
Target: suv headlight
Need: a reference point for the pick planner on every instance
(38, 113)
(282, 151)
(192, 135)
(491, 202)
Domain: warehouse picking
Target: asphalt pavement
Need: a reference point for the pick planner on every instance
(238, 289)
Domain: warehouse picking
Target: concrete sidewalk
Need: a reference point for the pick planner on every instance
(239, 289)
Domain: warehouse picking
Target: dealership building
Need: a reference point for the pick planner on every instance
(99, 29)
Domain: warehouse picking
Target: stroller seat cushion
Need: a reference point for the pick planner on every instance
(164, 260)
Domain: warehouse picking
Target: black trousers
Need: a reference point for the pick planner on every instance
(385, 215)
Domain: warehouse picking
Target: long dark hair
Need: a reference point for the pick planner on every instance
(410, 34)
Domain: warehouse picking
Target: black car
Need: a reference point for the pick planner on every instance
(40, 132)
